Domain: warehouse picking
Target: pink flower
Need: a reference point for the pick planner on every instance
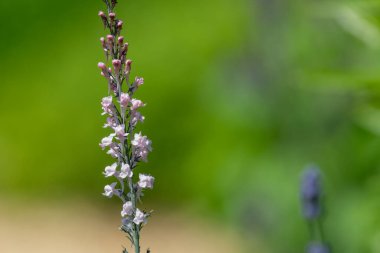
(111, 122)
(145, 181)
(110, 170)
(136, 104)
(109, 190)
(119, 132)
(139, 81)
(136, 117)
(124, 100)
(107, 105)
(125, 171)
(141, 146)
(127, 209)
(114, 152)
(139, 217)
(106, 141)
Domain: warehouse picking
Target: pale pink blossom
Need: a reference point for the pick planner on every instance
(109, 190)
(127, 209)
(146, 181)
(111, 122)
(136, 104)
(139, 81)
(124, 100)
(110, 170)
(106, 141)
(125, 171)
(141, 146)
(140, 217)
(114, 152)
(120, 132)
(107, 105)
(136, 117)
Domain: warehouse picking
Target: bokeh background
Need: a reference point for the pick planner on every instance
(241, 96)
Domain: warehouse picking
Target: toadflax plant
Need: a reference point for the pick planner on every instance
(127, 147)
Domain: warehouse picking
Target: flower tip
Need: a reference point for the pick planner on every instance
(110, 38)
(116, 63)
(112, 15)
(102, 65)
(101, 14)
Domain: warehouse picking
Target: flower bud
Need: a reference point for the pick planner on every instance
(102, 66)
(128, 65)
(119, 25)
(124, 49)
(110, 38)
(103, 17)
(112, 16)
(102, 40)
(116, 65)
(120, 40)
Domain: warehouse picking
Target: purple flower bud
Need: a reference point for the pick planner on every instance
(110, 38)
(119, 25)
(124, 50)
(112, 16)
(120, 40)
(102, 15)
(102, 40)
(311, 192)
(104, 18)
(102, 66)
(128, 65)
(316, 247)
(116, 65)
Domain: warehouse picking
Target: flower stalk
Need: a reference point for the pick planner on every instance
(127, 147)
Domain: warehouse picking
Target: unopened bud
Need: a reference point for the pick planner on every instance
(104, 18)
(110, 38)
(112, 16)
(128, 65)
(116, 65)
(102, 66)
(102, 40)
(124, 49)
(120, 40)
(119, 25)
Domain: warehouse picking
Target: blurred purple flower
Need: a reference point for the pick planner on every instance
(311, 192)
(316, 247)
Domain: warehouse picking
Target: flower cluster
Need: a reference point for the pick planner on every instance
(123, 114)
(311, 195)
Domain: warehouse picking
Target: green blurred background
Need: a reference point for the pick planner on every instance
(241, 96)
